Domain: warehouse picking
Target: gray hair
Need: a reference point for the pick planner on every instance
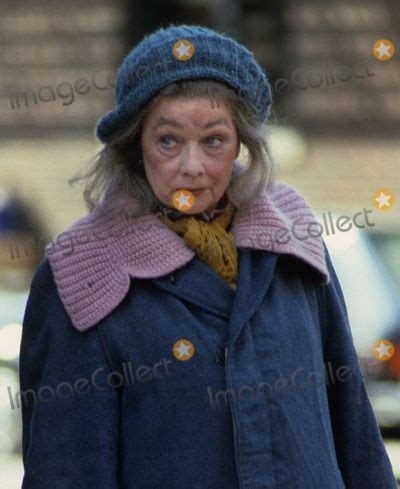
(118, 164)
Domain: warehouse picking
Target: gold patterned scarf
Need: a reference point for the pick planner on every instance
(211, 240)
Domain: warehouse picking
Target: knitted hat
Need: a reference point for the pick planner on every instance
(179, 53)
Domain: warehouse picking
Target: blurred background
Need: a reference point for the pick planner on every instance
(334, 134)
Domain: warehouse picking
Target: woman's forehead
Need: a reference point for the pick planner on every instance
(206, 110)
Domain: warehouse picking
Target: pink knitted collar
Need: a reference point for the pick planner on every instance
(93, 260)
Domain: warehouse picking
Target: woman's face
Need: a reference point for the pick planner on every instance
(190, 144)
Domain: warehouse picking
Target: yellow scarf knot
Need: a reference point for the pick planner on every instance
(211, 240)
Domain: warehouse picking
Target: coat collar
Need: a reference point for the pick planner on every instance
(94, 260)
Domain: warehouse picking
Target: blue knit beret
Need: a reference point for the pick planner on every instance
(184, 52)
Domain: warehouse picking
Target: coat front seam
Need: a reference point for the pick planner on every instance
(236, 427)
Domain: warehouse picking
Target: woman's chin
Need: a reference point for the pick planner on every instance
(194, 210)
(199, 208)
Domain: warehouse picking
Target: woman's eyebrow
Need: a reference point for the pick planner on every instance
(166, 122)
(172, 122)
(220, 120)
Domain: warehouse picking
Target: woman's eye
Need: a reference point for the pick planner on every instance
(217, 141)
(166, 140)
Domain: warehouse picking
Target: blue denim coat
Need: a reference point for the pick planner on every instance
(189, 384)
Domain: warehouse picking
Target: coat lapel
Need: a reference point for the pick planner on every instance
(197, 283)
(256, 271)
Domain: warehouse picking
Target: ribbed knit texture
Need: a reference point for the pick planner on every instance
(94, 258)
(151, 65)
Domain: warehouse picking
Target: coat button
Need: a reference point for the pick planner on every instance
(220, 356)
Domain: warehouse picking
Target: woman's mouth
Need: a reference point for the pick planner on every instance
(196, 190)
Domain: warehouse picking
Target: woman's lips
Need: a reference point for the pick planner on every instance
(194, 191)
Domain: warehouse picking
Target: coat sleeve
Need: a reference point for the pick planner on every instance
(69, 407)
(360, 450)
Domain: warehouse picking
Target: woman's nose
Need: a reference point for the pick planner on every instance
(192, 163)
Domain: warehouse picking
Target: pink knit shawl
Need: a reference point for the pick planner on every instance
(110, 245)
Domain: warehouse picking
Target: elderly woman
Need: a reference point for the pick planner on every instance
(185, 339)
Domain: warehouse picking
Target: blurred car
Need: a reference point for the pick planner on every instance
(372, 297)
(12, 305)
(19, 228)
